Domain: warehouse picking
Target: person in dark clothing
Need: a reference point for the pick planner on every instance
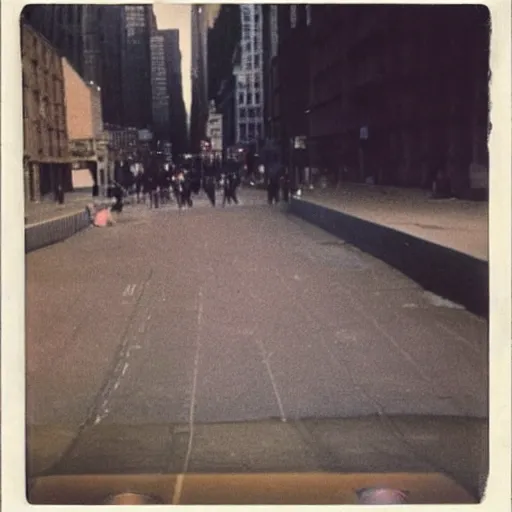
(285, 186)
(118, 195)
(231, 183)
(186, 194)
(177, 187)
(163, 183)
(151, 188)
(138, 186)
(60, 194)
(274, 176)
(209, 183)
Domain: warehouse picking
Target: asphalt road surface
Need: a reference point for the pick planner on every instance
(236, 314)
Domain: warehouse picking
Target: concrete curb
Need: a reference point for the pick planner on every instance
(51, 231)
(453, 275)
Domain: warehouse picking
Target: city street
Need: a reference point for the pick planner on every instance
(231, 315)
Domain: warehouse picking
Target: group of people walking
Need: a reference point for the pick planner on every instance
(165, 183)
(161, 183)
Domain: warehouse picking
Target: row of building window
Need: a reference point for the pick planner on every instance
(249, 131)
(248, 98)
(252, 62)
(251, 112)
(293, 15)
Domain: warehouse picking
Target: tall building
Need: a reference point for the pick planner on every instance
(92, 27)
(111, 64)
(199, 108)
(249, 77)
(159, 87)
(178, 134)
(45, 138)
(62, 25)
(399, 94)
(227, 105)
(270, 53)
(91, 38)
(136, 65)
(223, 57)
(289, 80)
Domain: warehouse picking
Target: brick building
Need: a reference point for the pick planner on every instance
(137, 22)
(400, 93)
(46, 160)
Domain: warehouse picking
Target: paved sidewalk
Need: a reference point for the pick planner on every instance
(456, 224)
(48, 209)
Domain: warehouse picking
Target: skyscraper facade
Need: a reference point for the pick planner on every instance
(111, 64)
(136, 65)
(249, 77)
(399, 94)
(63, 26)
(93, 29)
(159, 87)
(177, 112)
(199, 109)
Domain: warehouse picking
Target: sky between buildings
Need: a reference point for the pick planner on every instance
(169, 15)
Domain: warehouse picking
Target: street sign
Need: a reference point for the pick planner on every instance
(214, 131)
(300, 142)
(145, 135)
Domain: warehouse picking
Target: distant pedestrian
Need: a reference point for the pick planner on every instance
(118, 195)
(186, 190)
(209, 183)
(177, 187)
(231, 183)
(274, 179)
(285, 186)
(60, 194)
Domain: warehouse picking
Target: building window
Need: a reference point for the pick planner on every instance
(243, 113)
(249, 98)
(256, 61)
(241, 98)
(308, 14)
(257, 98)
(252, 112)
(243, 131)
(293, 16)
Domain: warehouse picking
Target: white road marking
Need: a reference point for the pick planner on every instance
(178, 488)
(129, 290)
(265, 359)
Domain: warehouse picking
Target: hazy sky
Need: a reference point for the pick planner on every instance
(178, 16)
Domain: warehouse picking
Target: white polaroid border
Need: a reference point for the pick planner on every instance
(498, 493)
